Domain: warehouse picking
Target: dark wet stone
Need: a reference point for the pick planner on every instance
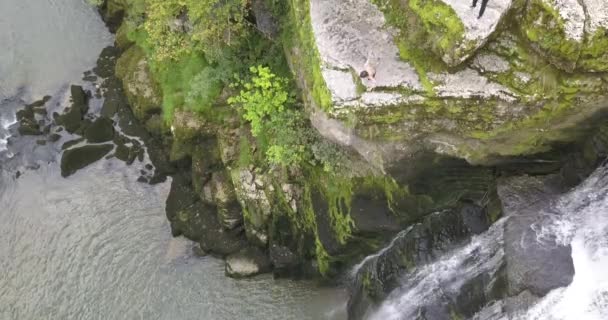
(158, 178)
(39, 103)
(110, 107)
(70, 143)
(101, 130)
(142, 179)
(283, 258)
(29, 129)
(537, 266)
(122, 152)
(106, 62)
(90, 78)
(40, 111)
(248, 262)
(73, 117)
(75, 159)
(149, 166)
(54, 137)
(41, 142)
(418, 245)
(197, 221)
(198, 251)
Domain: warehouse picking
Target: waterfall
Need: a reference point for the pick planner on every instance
(578, 218)
(583, 225)
(483, 254)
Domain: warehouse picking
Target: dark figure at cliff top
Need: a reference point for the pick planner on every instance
(484, 3)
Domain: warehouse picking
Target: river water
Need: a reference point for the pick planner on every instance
(97, 245)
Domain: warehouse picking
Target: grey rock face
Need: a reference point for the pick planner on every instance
(350, 32)
(533, 265)
(478, 29)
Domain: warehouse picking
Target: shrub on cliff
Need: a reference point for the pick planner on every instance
(177, 27)
(268, 106)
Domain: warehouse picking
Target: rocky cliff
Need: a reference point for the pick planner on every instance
(457, 101)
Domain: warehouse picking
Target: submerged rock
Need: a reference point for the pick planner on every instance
(77, 158)
(248, 262)
(101, 130)
(72, 119)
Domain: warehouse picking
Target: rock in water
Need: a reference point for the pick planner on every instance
(72, 119)
(246, 263)
(533, 265)
(102, 130)
(78, 158)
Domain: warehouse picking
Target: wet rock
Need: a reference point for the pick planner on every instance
(413, 247)
(248, 262)
(254, 200)
(533, 265)
(264, 19)
(54, 137)
(283, 259)
(139, 87)
(229, 210)
(72, 119)
(198, 221)
(101, 130)
(68, 144)
(75, 159)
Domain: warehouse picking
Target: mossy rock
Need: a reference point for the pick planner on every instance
(101, 130)
(571, 34)
(75, 159)
(559, 39)
(72, 119)
(142, 92)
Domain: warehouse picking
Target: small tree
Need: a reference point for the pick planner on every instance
(267, 105)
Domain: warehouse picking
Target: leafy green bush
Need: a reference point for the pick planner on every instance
(268, 106)
(178, 27)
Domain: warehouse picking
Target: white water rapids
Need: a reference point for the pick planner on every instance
(581, 221)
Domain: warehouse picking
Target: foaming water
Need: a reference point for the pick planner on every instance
(482, 255)
(357, 267)
(583, 224)
(579, 219)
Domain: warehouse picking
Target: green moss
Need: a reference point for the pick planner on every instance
(594, 56)
(141, 89)
(544, 27)
(298, 38)
(428, 25)
(175, 78)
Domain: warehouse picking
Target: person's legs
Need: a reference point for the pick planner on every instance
(484, 3)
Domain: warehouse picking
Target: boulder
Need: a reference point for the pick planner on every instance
(101, 130)
(197, 221)
(248, 262)
(72, 118)
(505, 98)
(228, 208)
(141, 90)
(570, 33)
(77, 158)
(533, 265)
(250, 192)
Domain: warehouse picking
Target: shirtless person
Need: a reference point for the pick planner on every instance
(369, 72)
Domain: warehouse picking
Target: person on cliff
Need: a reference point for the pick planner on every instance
(484, 3)
(369, 71)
